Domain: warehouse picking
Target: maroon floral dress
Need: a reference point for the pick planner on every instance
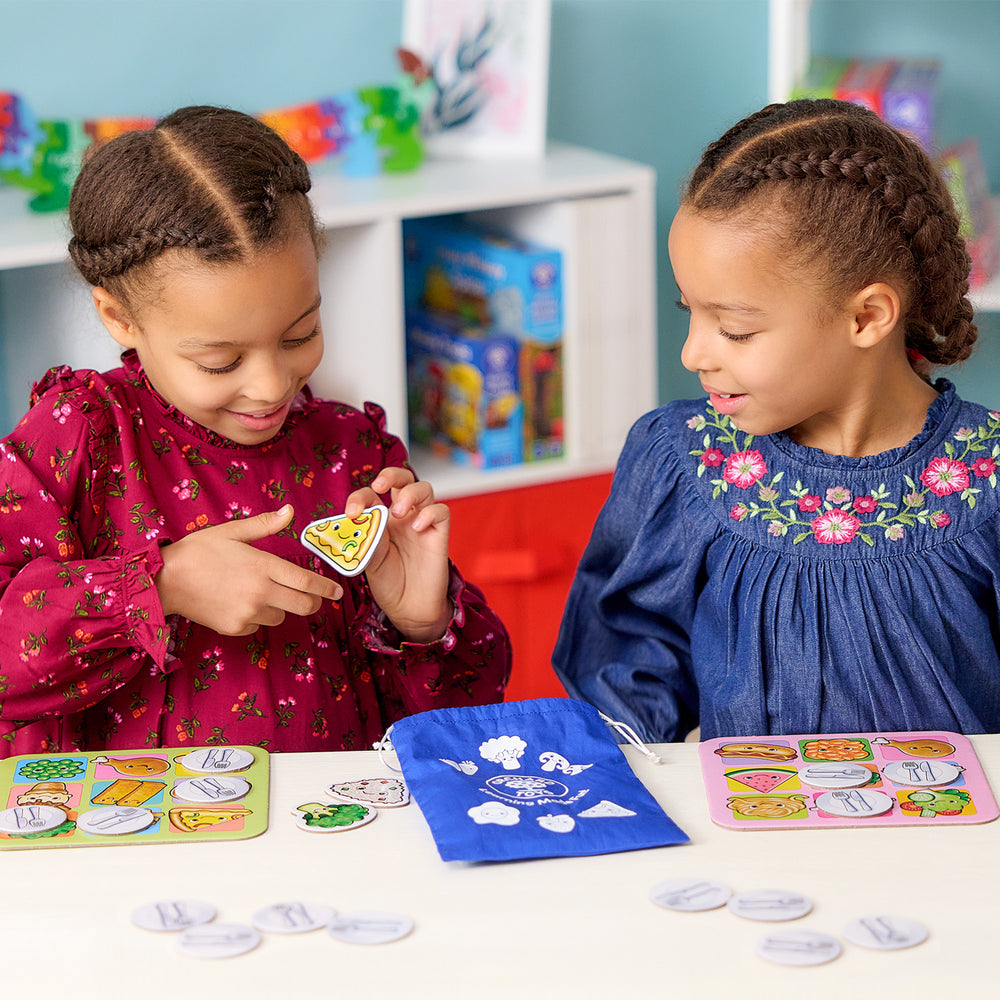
(97, 476)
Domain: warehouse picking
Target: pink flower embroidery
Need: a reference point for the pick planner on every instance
(712, 457)
(739, 512)
(865, 505)
(940, 519)
(744, 468)
(809, 502)
(894, 532)
(945, 475)
(838, 494)
(835, 527)
(984, 467)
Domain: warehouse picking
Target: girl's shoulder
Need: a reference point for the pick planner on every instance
(69, 396)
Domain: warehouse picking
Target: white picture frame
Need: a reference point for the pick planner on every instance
(490, 65)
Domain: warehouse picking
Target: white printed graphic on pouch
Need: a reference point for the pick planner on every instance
(605, 808)
(557, 824)
(505, 750)
(530, 790)
(495, 812)
(552, 761)
(465, 766)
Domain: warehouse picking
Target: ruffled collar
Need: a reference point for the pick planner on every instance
(938, 420)
(302, 405)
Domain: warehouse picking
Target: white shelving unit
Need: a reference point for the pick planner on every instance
(598, 210)
(788, 58)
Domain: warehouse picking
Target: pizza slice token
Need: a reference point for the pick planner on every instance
(382, 792)
(347, 543)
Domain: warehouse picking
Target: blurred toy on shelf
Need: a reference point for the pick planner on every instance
(369, 130)
(902, 91)
(486, 281)
(962, 167)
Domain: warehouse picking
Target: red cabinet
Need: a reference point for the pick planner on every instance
(521, 547)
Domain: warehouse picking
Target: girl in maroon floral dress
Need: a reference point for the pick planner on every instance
(153, 590)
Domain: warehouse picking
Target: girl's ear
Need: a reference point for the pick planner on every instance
(115, 317)
(877, 310)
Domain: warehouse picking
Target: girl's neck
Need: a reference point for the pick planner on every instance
(887, 411)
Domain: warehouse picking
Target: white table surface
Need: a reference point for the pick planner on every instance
(567, 927)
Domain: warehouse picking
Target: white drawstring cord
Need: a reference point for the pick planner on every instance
(630, 734)
(381, 746)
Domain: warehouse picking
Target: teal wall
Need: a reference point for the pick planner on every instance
(652, 80)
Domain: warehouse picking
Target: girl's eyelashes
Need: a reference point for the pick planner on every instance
(288, 344)
(736, 337)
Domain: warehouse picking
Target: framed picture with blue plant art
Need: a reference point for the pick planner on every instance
(487, 64)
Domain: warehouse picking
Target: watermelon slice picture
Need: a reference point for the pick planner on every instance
(762, 779)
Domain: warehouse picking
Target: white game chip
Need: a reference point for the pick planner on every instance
(218, 940)
(928, 773)
(370, 927)
(690, 894)
(217, 760)
(835, 775)
(173, 914)
(795, 947)
(770, 904)
(885, 933)
(292, 918)
(223, 788)
(857, 803)
(31, 819)
(114, 820)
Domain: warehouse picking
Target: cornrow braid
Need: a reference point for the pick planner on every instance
(211, 180)
(859, 196)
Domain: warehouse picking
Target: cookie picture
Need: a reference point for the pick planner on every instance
(347, 543)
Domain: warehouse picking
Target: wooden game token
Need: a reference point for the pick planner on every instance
(332, 817)
(928, 773)
(116, 820)
(690, 894)
(218, 940)
(217, 760)
(384, 793)
(31, 819)
(770, 904)
(173, 914)
(370, 927)
(223, 788)
(292, 918)
(856, 803)
(347, 543)
(885, 933)
(835, 775)
(797, 947)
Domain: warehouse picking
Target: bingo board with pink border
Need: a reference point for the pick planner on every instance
(153, 796)
(854, 779)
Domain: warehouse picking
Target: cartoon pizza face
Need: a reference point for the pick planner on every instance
(347, 543)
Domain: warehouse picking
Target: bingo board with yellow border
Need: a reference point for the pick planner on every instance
(105, 797)
(845, 779)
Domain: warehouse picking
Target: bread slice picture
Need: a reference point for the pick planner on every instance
(347, 543)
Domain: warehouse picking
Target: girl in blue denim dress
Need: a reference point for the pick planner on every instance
(815, 546)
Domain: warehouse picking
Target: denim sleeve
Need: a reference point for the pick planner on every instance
(624, 643)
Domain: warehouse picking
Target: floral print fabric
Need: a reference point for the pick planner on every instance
(98, 475)
(756, 586)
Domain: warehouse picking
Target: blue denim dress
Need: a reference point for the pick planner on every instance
(756, 586)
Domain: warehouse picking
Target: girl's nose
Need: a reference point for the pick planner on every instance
(268, 380)
(696, 354)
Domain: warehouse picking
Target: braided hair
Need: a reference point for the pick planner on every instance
(211, 180)
(854, 196)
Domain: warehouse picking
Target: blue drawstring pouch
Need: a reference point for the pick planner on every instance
(526, 779)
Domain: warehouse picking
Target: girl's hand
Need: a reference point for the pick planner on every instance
(408, 575)
(217, 578)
